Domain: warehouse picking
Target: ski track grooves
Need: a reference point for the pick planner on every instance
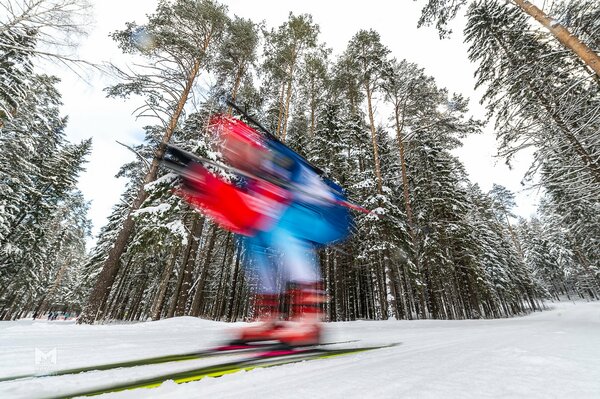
(550, 354)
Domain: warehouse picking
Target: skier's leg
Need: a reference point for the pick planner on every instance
(258, 262)
(306, 298)
(266, 302)
(297, 258)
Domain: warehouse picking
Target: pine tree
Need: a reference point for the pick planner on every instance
(66, 232)
(16, 70)
(442, 12)
(284, 49)
(237, 55)
(38, 169)
(179, 40)
(367, 58)
(314, 85)
(508, 280)
(522, 98)
(551, 104)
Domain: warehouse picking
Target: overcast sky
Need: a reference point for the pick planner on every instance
(106, 120)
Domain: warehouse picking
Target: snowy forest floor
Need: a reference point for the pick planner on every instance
(550, 354)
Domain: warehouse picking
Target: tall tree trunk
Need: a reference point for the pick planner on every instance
(408, 207)
(236, 86)
(562, 34)
(132, 314)
(113, 302)
(329, 287)
(189, 260)
(313, 111)
(240, 298)
(13, 303)
(50, 294)
(199, 294)
(164, 285)
(374, 140)
(222, 276)
(184, 264)
(286, 111)
(281, 109)
(106, 278)
(384, 293)
(338, 286)
(234, 282)
(25, 308)
(514, 238)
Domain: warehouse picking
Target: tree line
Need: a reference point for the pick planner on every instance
(435, 246)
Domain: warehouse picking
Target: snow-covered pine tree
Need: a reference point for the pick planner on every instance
(548, 260)
(56, 24)
(366, 57)
(549, 103)
(552, 104)
(393, 230)
(178, 41)
(314, 84)
(38, 169)
(400, 87)
(503, 203)
(66, 232)
(237, 56)
(508, 285)
(572, 241)
(443, 11)
(440, 204)
(284, 49)
(16, 70)
(34, 259)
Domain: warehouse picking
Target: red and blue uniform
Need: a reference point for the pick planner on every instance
(282, 223)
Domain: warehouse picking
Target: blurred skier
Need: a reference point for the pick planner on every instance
(284, 210)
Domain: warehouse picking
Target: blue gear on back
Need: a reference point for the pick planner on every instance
(321, 224)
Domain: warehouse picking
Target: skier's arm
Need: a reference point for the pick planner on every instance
(234, 209)
(223, 202)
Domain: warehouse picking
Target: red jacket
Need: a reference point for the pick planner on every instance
(242, 211)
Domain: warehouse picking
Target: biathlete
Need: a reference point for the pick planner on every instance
(283, 211)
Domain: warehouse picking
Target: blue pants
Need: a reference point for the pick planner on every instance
(287, 249)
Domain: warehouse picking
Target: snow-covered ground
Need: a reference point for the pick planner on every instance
(552, 354)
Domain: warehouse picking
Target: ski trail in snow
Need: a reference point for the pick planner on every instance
(552, 354)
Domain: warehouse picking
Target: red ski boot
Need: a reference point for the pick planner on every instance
(267, 316)
(305, 315)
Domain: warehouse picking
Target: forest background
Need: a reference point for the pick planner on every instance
(376, 123)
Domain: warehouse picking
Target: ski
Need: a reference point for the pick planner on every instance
(265, 359)
(211, 352)
(227, 349)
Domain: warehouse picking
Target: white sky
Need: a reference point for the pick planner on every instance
(106, 120)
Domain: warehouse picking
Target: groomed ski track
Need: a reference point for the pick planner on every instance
(551, 354)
